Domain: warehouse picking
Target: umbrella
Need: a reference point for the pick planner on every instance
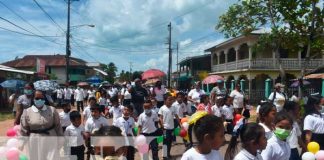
(152, 73)
(83, 84)
(94, 79)
(315, 76)
(13, 83)
(152, 81)
(212, 79)
(297, 83)
(46, 85)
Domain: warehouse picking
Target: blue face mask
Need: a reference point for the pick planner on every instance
(28, 91)
(39, 103)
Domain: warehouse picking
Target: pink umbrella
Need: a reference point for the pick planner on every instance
(212, 79)
(152, 73)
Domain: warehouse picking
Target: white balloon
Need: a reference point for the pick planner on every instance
(12, 143)
(3, 151)
(308, 156)
(185, 125)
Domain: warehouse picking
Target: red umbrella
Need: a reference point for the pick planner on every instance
(212, 79)
(83, 84)
(152, 73)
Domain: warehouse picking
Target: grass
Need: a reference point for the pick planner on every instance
(5, 116)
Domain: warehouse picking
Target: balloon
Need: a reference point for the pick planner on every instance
(23, 157)
(3, 151)
(12, 154)
(313, 147)
(308, 156)
(176, 131)
(320, 155)
(13, 142)
(237, 118)
(140, 140)
(11, 132)
(159, 139)
(185, 119)
(183, 133)
(185, 125)
(136, 130)
(143, 148)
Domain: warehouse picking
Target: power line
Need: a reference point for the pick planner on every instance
(11, 10)
(49, 16)
(26, 34)
(85, 51)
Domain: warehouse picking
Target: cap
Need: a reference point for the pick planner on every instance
(277, 85)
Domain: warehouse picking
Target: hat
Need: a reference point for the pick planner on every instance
(277, 85)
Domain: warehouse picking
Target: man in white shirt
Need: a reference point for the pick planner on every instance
(67, 94)
(79, 97)
(59, 96)
(278, 97)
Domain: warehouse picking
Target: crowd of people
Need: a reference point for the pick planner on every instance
(155, 111)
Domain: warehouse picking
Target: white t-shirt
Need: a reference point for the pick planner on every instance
(67, 93)
(228, 111)
(180, 108)
(126, 94)
(94, 124)
(279, 100)
(192, 154)
(24, 101)
(293, 138)
(103, 101)
(148, 122)
(268, 131)
(79, 95)
(125, 125)
(216, 111)
(237, 98)
(276, 150)
(168, 114)
(245, 155)
(64, 119)
(86, 112)
(59, 93)
(188, 106)
(92, 93)
(314, 123)
(75, 135)
(116, 112)
(195, 95)
(159, 93)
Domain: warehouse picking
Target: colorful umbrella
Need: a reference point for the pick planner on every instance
(212, 79)
(13, 83)
(315, 76)
(152, 73)
(46, 85)
(94, 79)
(297, 83)
(83, 84)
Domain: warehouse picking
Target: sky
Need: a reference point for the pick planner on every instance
(126, 31)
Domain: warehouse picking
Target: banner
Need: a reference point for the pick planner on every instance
(40, 65)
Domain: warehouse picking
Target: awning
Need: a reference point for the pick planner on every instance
(100, 71)
(315, 76)
(8, 69)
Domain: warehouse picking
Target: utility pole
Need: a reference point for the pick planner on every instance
(68, 48)
(130, 70)
(178, 65)
(170, 56)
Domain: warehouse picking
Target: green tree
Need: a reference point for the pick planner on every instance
(295, 25)
(111, 70)
(137, 74)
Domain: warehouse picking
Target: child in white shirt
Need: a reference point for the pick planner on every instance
(87, 112)
(217, 108)
(227, 112)
(116, 110)
(65, 115)
(76, 134)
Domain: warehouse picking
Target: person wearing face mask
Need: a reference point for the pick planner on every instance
(24, 101)
(278, 97)
(314, 121)
(39, 121)
(148, 126)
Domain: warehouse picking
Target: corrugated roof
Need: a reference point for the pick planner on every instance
(51, 60)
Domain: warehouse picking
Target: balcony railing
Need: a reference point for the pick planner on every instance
(266, 63)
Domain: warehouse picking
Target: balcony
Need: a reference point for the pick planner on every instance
(266, 63)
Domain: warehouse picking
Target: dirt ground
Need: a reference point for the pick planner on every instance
(177, 149)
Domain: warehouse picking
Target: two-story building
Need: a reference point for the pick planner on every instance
(235, 59)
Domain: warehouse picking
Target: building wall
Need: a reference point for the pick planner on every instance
(60, 74)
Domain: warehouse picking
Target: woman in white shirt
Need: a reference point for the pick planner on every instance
(158, 92)
(238, 99)
(194, 94)
(314, 121)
